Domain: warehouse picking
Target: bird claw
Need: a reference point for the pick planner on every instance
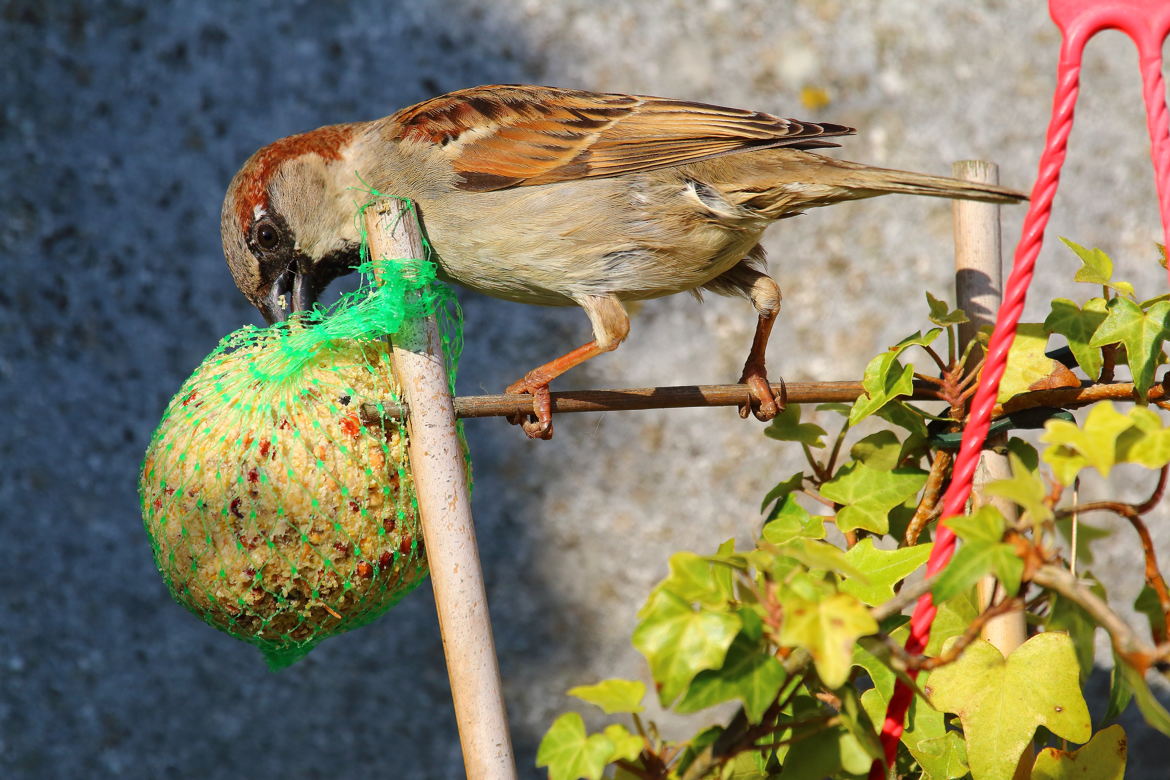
(763, 403)
(537, 425)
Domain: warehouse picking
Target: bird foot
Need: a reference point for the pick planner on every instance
(763, 402)
(537, 425)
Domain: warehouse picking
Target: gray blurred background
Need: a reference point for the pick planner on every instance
(120, 126)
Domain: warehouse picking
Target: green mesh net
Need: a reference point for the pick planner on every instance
(277, 489)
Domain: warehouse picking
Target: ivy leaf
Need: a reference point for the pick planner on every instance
(1078, 326)
(782, 489)
(903, 415)
(942, 754)
(942, 314)
(1094, 444)
(884, 380)
(954, 615)
(679, 642)
(1068, 616)
(883, 569)
(822, 556)
(695, 579)
(1029, 368)
(1096, 268)
(790, 521)
(833, 406)
(1152, 448)
(1120, 694)
(749, 673)
(1151, 709)
(828, 629)
(985, 524)
(1142, 333)
(1148, 604)
(613, 695)
(1101, 758)
(1023, 488)
(625, 745)
(919, 339)
(697, 745)
(786, 426)
(1001, 702)
(570, 754)
(972, 561)
(881, 450)
(868, 494)
(826, 753)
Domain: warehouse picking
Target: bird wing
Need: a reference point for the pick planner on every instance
(507, 136)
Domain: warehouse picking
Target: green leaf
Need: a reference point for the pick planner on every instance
(679, 642)
(750, 673)
(821, 556)
(1094, 444)
(1151, 709)
(613, 695)
(942, 754)
(1147, 603)
(954, 615)
(985, 524)
(1142, 333)
(695, 579)
(786, 426)
(783, 489)
(1068, 616)
(828, 629)
(839, 408)
(858, 722)
(884, 380)
(1023, 488)
(827, 753)
(1025, 452)
(1101, 758)
(867, 494)
(570, 754)
(696, 745)
(790, 521)
(903, 415)
(625, 745)
(881, 451)
(1078, 326)
(1096, 268)
(972, 561)
(942, 314)
(1150, 448)
(1028, 366)
(1120, 694)
(918, 339)
(883, 569)
(1001, 702)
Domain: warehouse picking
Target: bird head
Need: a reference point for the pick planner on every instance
(288, 220)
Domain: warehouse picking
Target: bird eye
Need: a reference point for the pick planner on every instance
(265, 234)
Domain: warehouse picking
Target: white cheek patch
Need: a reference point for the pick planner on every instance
(258, 211)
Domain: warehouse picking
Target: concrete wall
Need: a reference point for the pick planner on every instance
(120, 125)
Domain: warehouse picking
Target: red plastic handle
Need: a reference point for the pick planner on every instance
(1147, 22)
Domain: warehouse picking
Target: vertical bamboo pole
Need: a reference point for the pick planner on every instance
(978, 289)
(440, 480)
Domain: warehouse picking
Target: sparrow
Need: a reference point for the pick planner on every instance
(557, 197)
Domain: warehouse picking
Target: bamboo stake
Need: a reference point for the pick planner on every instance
(978, 289)
(440, 480)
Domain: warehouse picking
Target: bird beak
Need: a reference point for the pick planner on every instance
(290, 292)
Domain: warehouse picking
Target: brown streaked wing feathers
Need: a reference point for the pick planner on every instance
(506, 136)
